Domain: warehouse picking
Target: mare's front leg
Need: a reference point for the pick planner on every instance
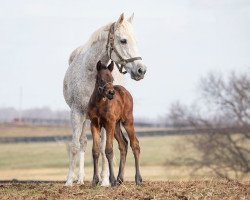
(110, 131)
(134, 143)
(95, 130)
(83, 146)
(77, 119)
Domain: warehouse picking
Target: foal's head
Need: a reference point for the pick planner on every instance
(104, 80)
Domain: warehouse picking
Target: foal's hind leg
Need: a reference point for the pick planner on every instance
(77, 119)
(83, 145)
(123, 147)
(134, 143)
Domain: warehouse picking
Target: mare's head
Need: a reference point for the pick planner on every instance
(126, 46)
(104, 80)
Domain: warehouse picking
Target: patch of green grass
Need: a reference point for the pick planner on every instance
(154, 151)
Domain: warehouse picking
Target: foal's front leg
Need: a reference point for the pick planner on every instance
(110, 131)
(95, 130)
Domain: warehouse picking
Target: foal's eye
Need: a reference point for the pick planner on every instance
(123, 41)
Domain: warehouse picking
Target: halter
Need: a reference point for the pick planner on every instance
(103, 87)
(111, 47)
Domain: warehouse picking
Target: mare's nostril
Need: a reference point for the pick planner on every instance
(140, 71)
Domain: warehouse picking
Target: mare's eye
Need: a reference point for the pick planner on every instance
(123, 41)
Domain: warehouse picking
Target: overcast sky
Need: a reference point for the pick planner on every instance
(180, 41)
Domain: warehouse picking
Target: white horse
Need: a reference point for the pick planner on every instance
(116, 42)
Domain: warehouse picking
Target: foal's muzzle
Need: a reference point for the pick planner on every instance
(110, 94)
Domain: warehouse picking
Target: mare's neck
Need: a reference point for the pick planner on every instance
(97, 52)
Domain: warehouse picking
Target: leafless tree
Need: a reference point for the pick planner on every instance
(221, 116)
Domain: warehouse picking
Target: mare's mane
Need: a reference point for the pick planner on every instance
(96, 36)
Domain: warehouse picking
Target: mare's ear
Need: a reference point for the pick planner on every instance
(131, 18)
(120, 20)
(99, 65)
(111, 66)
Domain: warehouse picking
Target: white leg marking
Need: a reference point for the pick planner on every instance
(105, 168)
(83, 145)
(81, 173)
(72, 163)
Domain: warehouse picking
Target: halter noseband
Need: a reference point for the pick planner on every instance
(111, 47)
(101, 88)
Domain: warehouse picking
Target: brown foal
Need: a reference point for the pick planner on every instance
(109, 106)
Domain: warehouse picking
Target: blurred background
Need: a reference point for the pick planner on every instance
(192, 109)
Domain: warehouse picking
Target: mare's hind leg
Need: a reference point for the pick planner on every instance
(134, 143)
(77, 119)
(123, 147)
(83, 145)
(105, 167)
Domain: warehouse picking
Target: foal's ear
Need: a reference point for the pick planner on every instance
(99, 65)
(111, 66)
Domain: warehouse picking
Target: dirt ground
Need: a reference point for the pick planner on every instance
(183, 190)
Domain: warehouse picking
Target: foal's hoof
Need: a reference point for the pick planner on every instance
(119, 180)
(113, 182)
(95, 181)
(138, 180)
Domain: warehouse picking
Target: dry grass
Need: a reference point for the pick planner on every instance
(149, 190)
(12, 130)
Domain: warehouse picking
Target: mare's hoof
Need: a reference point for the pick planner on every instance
(69, 183)
(80, 182)
(105, 183)
(138, 180)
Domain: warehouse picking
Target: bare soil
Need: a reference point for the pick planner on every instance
(183, 190)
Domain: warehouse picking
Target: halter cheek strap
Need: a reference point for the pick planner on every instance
(110, 47)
